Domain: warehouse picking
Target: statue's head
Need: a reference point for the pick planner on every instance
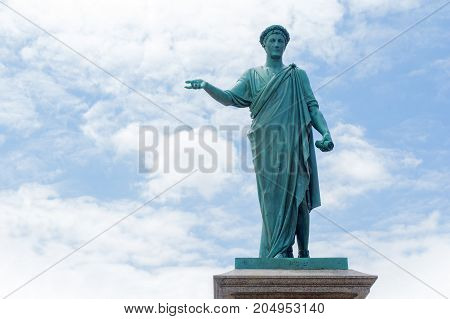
(274, 40)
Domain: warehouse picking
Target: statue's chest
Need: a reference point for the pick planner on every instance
(260, 79)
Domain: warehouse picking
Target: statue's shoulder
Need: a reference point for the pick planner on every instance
(246, 75)
(256, 69)
(251, 72)
(296, 68)
(301, 72)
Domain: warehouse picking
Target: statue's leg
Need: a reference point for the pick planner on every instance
(290, 252)
(302, 231)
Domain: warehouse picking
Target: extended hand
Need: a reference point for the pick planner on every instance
(195, 84)
(326, 144)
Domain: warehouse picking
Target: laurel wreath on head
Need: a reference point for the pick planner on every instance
(274, 29)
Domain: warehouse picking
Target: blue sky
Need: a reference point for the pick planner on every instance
(69, 142)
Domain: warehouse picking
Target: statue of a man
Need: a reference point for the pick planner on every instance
(283, 109)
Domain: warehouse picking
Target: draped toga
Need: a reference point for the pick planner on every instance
(282, 149)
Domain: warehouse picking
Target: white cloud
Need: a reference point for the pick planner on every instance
(380, 7)
(139, 44)
(428, 180)
(20, 166)
(157, 253)
(32, 100)
(154, 54)
(126, 139)
(147, 255)
(357, 166)
(420, 245)
(354, 162)
(180, 152)
(17, 109)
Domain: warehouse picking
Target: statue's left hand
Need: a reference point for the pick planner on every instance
(326, 144)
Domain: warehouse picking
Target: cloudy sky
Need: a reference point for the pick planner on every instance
(69, 138)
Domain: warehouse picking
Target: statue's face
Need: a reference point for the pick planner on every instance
(275, 45)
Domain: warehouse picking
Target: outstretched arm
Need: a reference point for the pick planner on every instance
(216, 93)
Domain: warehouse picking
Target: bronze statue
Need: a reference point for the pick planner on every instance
(283, 109)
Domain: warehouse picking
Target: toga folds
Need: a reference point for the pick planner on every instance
(282, 148)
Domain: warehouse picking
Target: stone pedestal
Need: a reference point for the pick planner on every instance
(292, 284)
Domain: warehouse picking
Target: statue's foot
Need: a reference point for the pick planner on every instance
(285, 254)
(303, 254)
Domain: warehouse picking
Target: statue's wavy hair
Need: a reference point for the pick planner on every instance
(271, 29)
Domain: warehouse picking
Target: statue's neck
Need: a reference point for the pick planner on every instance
(273, 63)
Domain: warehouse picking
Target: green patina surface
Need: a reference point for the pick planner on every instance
(291, 263)
(284, 111)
